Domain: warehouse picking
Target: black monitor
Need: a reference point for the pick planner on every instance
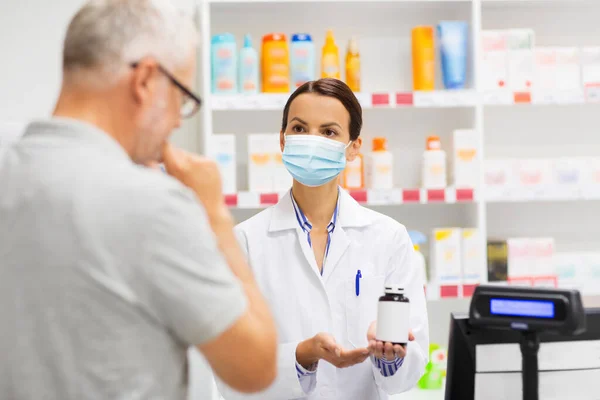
(464, 337)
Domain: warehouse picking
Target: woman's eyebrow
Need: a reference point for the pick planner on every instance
(299, 120)
(328, 124)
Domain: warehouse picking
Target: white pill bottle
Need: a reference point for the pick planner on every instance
(393, 315)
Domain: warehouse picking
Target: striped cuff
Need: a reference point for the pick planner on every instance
(306, 372)
(387, 368)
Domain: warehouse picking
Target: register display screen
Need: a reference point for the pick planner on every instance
(522, 308)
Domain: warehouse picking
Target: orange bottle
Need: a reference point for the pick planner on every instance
(423, 58)
(330, 60)
(353, 176)
(275, 63)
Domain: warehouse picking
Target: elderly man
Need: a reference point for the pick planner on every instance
(109, 270)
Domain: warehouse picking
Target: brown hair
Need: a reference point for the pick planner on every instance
(337, 89)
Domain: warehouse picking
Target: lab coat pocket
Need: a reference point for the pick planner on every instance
(361, 309)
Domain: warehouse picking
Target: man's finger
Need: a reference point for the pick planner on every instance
(411, 337)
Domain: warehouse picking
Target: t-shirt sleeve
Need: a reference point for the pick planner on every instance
(188, 285)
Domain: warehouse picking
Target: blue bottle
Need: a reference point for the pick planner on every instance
(302, 60)
(248, 67)
(224, 64)
(453, 37)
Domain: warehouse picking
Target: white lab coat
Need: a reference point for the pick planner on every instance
(305, 303)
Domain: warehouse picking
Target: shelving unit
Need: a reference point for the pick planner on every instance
(510, 125)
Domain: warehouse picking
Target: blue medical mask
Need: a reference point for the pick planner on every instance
(313, 160)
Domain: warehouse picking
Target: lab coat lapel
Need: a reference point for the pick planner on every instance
(283, 218)
(350, 215)
(339, 245)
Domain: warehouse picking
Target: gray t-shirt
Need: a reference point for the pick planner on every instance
(108, 271)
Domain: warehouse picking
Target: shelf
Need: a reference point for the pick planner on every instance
(433, 99)
(369, 197)
(541, 194)
(337, 1)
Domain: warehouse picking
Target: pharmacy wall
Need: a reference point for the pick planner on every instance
(32, 32)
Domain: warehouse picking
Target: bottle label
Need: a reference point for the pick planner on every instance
(331, 67)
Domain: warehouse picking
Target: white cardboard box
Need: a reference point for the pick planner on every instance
(261, 162)
(473, 260)
(446, 256)
(221, 148)
(465, 158)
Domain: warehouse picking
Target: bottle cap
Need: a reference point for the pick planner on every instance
(353, 46)
(394, 289)
(329, 39)
(247, 40)
(223, 38)
(270, 37)
(379, 144)
(301, 37)
(433, 143)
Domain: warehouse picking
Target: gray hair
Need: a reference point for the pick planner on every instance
(109, 35)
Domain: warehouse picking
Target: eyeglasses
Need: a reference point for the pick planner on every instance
(191, 103)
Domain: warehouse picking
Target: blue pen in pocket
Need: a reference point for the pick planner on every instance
(357, 282)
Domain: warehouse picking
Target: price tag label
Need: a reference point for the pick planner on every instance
(498, 98)
(384, 196)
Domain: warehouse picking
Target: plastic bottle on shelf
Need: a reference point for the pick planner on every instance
(434, 164)
(423, 58)
(302, 57)
(380, 166)
(275, 62)
(353, 176)
(353, 66)
(248, 67)
(330, 61)
(223, 64)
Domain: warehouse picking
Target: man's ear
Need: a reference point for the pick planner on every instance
(353, 150)
(143, 83)
(281, 140)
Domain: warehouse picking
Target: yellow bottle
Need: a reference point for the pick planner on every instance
(353, 66)
(330, 61)
(423, 58)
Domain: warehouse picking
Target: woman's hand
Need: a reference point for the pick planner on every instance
(324, 347)
(385, 350)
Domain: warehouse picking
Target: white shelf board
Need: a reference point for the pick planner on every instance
(432, 99)
(542, 194)
(370, 2)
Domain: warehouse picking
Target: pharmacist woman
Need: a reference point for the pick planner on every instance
(322, 261)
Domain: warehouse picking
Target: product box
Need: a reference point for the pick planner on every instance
(533, 179)
(545, 69)
(282, 180)
(568, 68)
(221, 148)
(590, 72)
(570, 270)
(567, 177)
(445, 252)
(494, 68)
(497, 260)
(530, 257)
(261, 162)
(465, 158)
(592, 273)
(521, 59)
(499, 178)
(591, 177)
(473, 261)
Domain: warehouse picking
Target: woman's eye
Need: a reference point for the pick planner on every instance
(298, 129)
(330, 132)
